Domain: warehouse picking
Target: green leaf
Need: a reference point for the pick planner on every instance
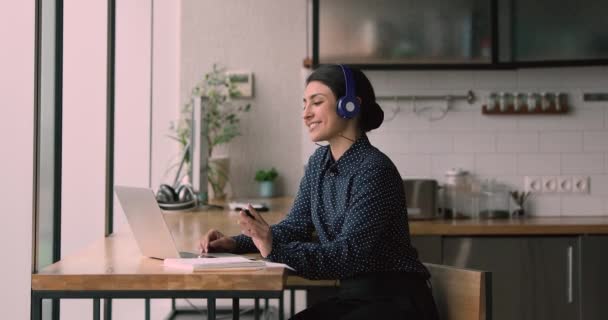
(266, 175)
(223, 114)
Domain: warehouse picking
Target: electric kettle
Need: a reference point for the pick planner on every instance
(421, 198)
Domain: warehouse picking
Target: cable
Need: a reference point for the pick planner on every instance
(347, 138)
(339, 134)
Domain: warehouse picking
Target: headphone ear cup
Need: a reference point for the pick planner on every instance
(166, 194)
(183, 198)
(185, 193)
(348, 105)
(348, 108)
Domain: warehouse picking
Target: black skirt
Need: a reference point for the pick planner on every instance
(383, 295)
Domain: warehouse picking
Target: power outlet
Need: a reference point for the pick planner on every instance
(549, 184)
(580, 184)
(533, 184)
(564, 184)
(557, 184)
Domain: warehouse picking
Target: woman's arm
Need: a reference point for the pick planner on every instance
(373, 208)
(297, 225)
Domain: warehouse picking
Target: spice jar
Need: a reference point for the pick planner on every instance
(493, 102)
(505, 101)
(494, 200)
(457, 194)
(532, 101)
(560, 101)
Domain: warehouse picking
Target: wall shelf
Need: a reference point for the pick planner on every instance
(525, 111)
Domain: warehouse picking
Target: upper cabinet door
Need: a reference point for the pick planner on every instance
(403, 32)
(546, 31)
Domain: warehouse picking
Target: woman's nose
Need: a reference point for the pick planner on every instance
(306, 113)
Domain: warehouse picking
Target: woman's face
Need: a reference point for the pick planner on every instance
(319, 112)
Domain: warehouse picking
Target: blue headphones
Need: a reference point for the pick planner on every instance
(348, 105)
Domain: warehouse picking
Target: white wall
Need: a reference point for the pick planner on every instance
(16, 141)
(132, 117)
(84, 130)
(135, 114)
(165, 106)
(506, 148)
(269, 38)
(133, 101)
(84, 124)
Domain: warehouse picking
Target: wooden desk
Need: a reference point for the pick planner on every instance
(115, 263)
(113, 267)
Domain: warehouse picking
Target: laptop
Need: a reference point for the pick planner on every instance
(148, 223)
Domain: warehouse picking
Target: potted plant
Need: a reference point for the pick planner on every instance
(266, 179)
(222, 114)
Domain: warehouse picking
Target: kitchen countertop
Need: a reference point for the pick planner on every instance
(515, 226)
(458, 227)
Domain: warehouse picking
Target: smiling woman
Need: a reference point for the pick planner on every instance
(333, 113)
(352, 196)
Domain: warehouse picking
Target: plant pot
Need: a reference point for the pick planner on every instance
(266, 189)
(218, 175)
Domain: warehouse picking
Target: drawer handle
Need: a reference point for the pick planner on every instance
(569, 293)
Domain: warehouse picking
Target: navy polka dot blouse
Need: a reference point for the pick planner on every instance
(357, 207)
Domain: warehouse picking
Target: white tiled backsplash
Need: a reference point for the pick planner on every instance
(506, 148)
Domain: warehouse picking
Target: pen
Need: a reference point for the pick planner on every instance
(248, 213)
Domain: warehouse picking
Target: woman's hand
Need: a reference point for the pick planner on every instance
(215, 241)
(257, 229)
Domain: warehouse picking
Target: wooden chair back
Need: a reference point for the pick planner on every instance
(461, 294)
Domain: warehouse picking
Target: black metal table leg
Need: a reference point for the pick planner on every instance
(235, 309)
(55, 305)
(107, 309)
(36, 307)
(38, 298)
(211, 308)
(256, 309)
(147, 304)
(292, 306)
(96, 309)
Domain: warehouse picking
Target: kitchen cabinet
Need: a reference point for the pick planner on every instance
(594, 277)
(551, 31)
(532, 277)
(428, 248)
(397, 32)
(461, 34)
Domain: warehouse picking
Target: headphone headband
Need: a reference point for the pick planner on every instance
(349, 81)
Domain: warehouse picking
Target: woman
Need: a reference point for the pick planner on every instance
(352, 196)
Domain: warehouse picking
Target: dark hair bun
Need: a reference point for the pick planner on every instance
(371, 117)
(371, 113)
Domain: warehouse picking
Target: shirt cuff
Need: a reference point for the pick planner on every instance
(275, 252)
(244, 244)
